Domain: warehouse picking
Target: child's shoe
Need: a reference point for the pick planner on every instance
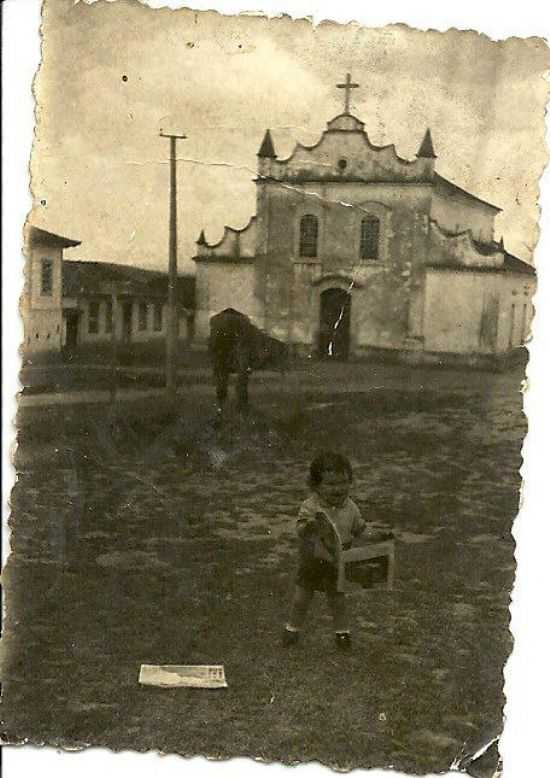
(290, 637)
(343, 641)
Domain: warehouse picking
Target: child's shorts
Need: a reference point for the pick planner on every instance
(318, 575)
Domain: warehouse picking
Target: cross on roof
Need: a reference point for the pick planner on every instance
(347, 86)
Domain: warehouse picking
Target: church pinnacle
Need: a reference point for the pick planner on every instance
(426, 149)
(267, 149)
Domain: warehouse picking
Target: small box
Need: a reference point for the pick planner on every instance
(364, 567)
(367, 567)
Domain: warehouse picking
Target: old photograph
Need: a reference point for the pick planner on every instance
(279, 280)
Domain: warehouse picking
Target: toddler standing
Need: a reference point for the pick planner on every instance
(330, 480)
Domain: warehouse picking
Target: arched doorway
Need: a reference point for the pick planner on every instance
(334, 325)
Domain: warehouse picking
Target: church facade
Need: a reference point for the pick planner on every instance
(355, 252)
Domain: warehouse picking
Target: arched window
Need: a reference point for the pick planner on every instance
(370, 238)
(309, 233)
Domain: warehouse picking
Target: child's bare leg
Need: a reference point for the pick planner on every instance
(299, 608)
(339, 611)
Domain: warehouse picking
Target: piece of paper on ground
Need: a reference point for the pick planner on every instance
(193, 676)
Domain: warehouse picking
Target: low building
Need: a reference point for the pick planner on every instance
(42, 304)
(106, 303)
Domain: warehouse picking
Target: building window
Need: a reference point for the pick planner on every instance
(370, 238)
(93, 318)
(46, 278)
(309, 233)
(157, 320)
(142, 316)
(109, 316)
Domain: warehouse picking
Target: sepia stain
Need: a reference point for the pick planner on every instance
(177, 389)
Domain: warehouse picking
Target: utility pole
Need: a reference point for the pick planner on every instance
(172, 322)
(114, 318)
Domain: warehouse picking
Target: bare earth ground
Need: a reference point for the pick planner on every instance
(144, 537)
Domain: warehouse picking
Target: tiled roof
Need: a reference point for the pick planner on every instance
(83, 277)
(511, 265)
(37, 235)
(449, 188)
(516, 265)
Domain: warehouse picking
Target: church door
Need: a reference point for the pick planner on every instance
(334, 325)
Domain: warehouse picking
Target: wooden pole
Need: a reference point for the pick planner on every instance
(113, 343)
(172, 318)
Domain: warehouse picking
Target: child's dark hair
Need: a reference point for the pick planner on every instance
(328, 462)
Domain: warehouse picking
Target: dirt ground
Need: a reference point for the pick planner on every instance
(143, 536)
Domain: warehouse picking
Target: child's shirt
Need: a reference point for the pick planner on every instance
(346, 518)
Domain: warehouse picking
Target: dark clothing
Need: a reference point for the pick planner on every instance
(317, 575)
(317, 569)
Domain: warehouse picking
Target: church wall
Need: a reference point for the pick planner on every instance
(360, 160)
(459, 213)
(459, 249)
(380, 311)
(225, 285)
(381, 302)
(275, 274)
(247, 242)
(202, 301)
(516, 311)
(304, 305)
(454, 309)
(476, 312)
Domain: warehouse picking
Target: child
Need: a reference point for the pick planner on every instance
(330, 481)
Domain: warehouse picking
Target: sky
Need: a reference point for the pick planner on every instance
(114, 74)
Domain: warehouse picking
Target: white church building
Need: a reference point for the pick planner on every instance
(355, 252)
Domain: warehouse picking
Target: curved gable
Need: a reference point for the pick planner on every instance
(344, 153)
(462, 250)
(235, 244)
